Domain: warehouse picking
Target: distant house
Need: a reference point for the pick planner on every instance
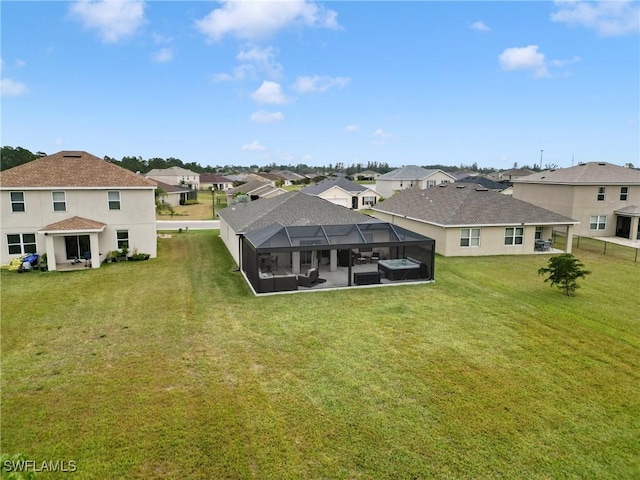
(214, 181)
(605, 198)
(288, 177)
(471, 220)
(484, 181)
(367, 175)
(74, 205)
(514, 173)
(255, 189)
(174, 195)
(175, 176)
(411, 176)
(344, 192)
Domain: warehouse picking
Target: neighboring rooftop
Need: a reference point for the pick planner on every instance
(484, 181)
(71, 169)
(169, 188)
(292, 208)
(171, 171)
(331, 182)
(408, 172)
(214, 178)
(466, 205)
(592, 173)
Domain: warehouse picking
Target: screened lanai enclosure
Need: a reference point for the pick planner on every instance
(281, 258)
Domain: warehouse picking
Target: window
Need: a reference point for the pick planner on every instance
(442, 182)
(17, 202)
(59, 201)
(538, 233)
(114, 200)
(469, 237)
(598, 222)
(513, 236)
(624, 193)
(368, 200)
(21, 243)
(431, 183)
(122, 237)
(601, 193)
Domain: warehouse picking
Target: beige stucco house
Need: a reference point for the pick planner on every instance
(411, 176)
(603, 197)
(175, 176)
(209, 181)
(343, 192)
(471, 220)
(71, 204)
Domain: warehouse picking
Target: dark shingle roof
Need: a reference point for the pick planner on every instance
(484, 181)
(213, 178)
(71, 169)
(592, 173)
(455, 204)
(328, 183)
(292, 208)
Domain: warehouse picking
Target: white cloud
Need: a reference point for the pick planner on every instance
(263, 59)
(239, 73)
(564, 63)
(263, 116)
(480, 26)
(379, 133)
(524, 58)
(163, 55)
(607, 18)
(269, 92)
(11, 88)
(251, 20)
(160, 39)
(253, 146)
(114, 19)
(319, 84)
(21, 63)
(351, 128)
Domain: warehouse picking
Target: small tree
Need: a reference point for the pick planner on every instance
(563, 271)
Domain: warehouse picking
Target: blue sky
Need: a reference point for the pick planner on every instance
(244, 83)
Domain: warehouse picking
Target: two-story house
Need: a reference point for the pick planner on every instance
(74, 205)
(603, 197)
(411, 176)
(176, 176)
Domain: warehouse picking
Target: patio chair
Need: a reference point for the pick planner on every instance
(310, 279)
(87, 259)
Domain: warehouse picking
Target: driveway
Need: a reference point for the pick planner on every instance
(190, 224)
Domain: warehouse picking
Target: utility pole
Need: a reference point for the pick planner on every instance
(213, 201)
(541, 158)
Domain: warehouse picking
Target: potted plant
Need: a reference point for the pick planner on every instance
(124, 250)
(43, 263)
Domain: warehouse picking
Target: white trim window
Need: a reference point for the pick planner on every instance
(21, 243)
(122, 239)
(59, 201)
(17, 202)
(539, 231)
(114, 199)
(368, 201)
(624, 193)
(431, 183)
(598, 222)
(602, 191)
(514, 236)
(469, 237)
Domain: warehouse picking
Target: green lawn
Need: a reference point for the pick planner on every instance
(171, 368)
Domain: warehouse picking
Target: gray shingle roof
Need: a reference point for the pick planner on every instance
(592, 173)
(171, 171)
(408, 172)
(292, 208)
(71, 169)
(328, 183)
(456, 204)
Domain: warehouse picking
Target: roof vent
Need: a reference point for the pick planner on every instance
(480, 188)
(442, 185)
(69, 155)
(552, 170)
(460, 186)
(602, 164)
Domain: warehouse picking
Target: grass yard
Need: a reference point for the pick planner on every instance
(199, 211)
(170, 368)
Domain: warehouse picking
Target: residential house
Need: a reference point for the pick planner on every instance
(175, 176)
(471, 220)
(209, 181)
(174, 195)
(290, 241)
(287, 177)
(514, 174)
(254, 189)
(604, 197)
(484, 181)
(73, 205)
(367, 175)
(344, 192)
(411, 176)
